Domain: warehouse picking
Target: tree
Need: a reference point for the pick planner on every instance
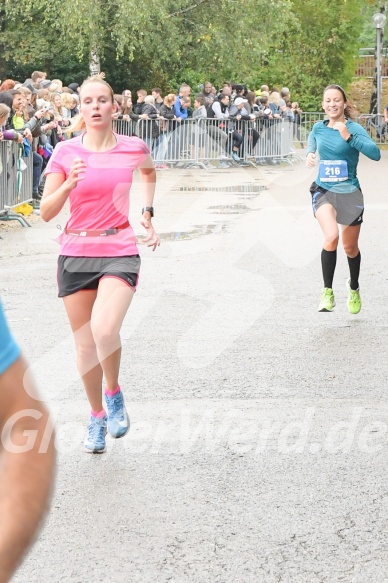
(170, 38)
(318, 49)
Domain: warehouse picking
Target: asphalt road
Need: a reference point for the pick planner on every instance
(258, 445)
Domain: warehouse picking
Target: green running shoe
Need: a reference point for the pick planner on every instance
(354, 300)
(327, 302)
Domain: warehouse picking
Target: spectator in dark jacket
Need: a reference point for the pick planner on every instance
(149, 129)
(139, 105)
(156, 93)
(218, 126)
(167, 113)
(167, 124)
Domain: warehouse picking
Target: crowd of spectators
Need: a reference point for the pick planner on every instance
(37, 112)
(228, 108)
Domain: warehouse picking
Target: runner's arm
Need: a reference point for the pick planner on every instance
(27, 475)
(311, 150)
(148, 178)
(57, 189)
(311, 143)
(362, 142)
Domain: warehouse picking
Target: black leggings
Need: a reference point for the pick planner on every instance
(236, 139)
(255, 136)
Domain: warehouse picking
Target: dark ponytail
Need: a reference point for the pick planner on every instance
(349, 111)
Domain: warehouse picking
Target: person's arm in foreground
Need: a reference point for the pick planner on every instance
(27, 462)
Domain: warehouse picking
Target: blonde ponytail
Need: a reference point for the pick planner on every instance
(77, 124)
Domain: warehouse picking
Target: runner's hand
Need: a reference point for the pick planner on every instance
(310, 160)
(152, 239)
(340, 126)
(77, 172)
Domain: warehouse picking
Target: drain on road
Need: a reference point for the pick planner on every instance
(230, 209)
(250, 188)
(194, 233)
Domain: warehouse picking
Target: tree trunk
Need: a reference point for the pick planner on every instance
(94, 63)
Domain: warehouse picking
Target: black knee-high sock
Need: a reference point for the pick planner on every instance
(329, 261)
(354, 267)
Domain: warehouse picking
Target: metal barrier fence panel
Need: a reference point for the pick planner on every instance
(306, 122)
(199, 142)
(25, 171)
(126, 128)
(373, 124)
(4, 150)
(16, 176)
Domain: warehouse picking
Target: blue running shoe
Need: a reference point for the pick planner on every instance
(118, 420)
(95, 439)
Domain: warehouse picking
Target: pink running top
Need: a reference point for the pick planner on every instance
(101, 200)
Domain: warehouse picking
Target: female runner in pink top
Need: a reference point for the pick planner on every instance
(98, 265)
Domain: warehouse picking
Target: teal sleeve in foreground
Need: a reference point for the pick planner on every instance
(311, 143)
(9, 350)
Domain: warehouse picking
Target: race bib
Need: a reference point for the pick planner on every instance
(333, 170)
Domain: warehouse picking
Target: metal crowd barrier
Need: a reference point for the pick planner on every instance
(303, 127)
(206, 141)
(15, 180)
(373, 124)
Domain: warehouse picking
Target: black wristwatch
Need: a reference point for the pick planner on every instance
(350, 138)
(150, 209)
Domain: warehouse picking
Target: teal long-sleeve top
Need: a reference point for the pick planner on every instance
(331, 146)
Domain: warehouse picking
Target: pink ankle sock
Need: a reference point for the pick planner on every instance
(111, 393)
(99, 415)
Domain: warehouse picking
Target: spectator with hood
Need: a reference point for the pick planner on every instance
(73, 87)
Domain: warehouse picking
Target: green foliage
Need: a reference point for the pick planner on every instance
(318, 49)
